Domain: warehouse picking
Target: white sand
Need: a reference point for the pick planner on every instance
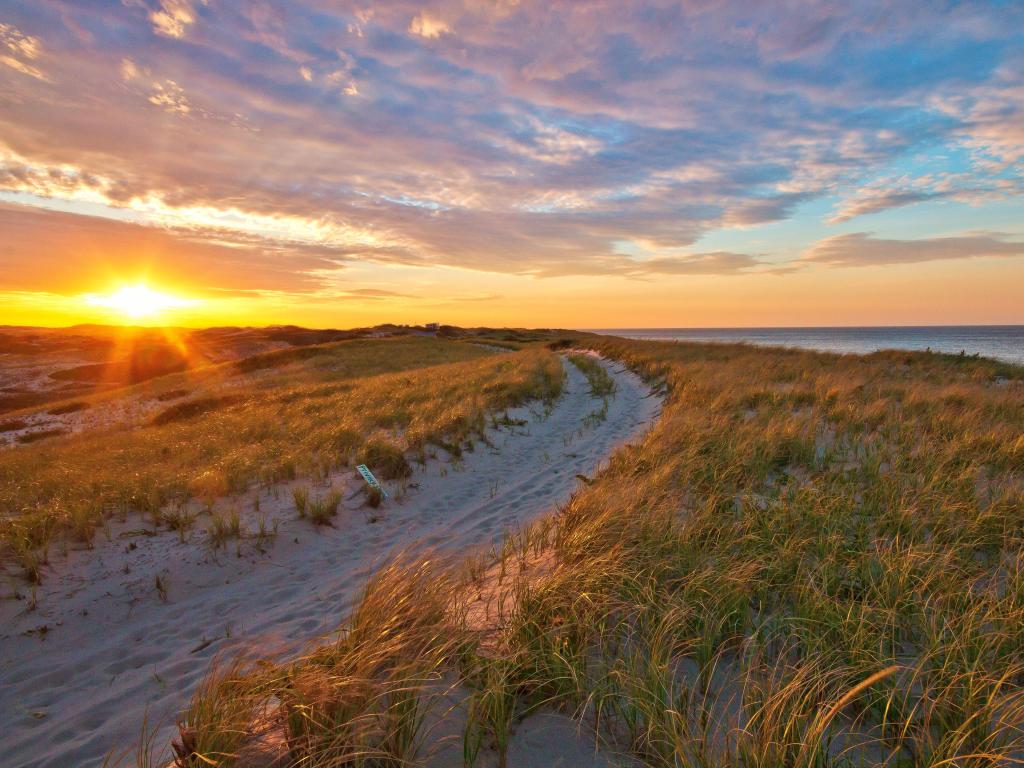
(113, 650)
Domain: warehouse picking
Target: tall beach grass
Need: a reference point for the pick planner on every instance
(810, 561)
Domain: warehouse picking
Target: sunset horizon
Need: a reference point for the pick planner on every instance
(129, 324)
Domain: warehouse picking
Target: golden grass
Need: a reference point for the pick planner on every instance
(301, 412)
(811, 561)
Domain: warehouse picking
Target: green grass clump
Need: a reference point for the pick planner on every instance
(385, 460)
(491, 710)
(223, 709)
(300, 496)
(177, 519)
(323, 508)
(224, 527)
(601, 384)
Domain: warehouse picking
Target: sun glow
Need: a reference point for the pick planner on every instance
(138, 301)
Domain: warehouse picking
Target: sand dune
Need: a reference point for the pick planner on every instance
(98, 645)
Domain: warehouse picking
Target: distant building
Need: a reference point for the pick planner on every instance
(432, 326)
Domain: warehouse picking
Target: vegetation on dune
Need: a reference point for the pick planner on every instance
(601, 384)
(810, 561)
(40, 434)
(375, 400)
(361, 700)
(197, 406)
(73, 407)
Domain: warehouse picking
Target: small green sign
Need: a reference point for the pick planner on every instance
(371, 480)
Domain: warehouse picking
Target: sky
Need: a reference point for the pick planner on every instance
(588, 164)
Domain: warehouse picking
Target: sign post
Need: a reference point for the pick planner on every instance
(371, 480)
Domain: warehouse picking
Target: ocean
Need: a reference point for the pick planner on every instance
(1002, 342)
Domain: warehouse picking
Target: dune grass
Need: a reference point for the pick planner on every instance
(370, 400)
(811, 561)
(601, 384)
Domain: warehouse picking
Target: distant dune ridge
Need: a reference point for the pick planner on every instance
(43, 364)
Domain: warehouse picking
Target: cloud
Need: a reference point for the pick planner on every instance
(761, 211)
(882, 201)
(888, 193)
(18, 43)
(18, 51)
(524, 138)
(129, 71)
(428, 26)
(715, 263)
(62, 253)
(173, 18)
(990, 116)
(860, 249)
(377, 293)
(170, 97)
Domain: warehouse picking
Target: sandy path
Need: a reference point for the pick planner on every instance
(113, 648)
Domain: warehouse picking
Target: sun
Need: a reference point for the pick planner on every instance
(138, 301)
